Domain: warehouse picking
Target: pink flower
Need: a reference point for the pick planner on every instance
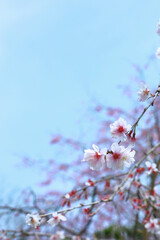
(114, 159)
(56, 219)
(144, 92)
(95, 158)
(120, 157)
(153, 225)
(151, 167)
(119, 129)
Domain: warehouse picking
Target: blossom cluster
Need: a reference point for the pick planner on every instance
(119, 156)
(35, 219)
(151, 167)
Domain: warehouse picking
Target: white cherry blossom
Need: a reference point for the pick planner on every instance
(95, 158)
(89, 183)
(67, 196)
(33, 220)
(114, 159)
(144, 92)
(58, 236)
(152, 168)
(56, 219)
(153, 225)
(120, 157)
(119, 129)
(128, 156)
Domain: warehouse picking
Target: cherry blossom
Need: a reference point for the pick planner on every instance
(128, 156)
(95, 158)
(56, 219)
(67, 196)
(153, 225)
(119, 129)
(158, 53)
(158, 28)
(89, 183)
(151, 167)
(58, 236)
(120, 157)
(33, 220)
(144, 92)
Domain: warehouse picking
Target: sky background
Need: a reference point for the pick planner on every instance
(57, 55)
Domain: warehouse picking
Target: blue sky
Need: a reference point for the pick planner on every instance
(55, 56)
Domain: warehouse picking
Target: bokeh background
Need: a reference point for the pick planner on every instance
(56, 57)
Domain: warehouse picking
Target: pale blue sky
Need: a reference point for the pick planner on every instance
(55, 56)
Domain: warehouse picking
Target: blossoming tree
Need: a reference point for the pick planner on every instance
(115, 190)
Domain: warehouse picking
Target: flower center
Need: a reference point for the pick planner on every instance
(146, 91)
(32, 221)
(152, 225)
(120, 129)
(116, 156)
(97, 155)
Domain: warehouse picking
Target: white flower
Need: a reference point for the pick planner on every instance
(158, 28)
(58, 236)
(95, 158)
(120, 157)
(128, 156)
(151, 167)
(33, 220)
(158, 53)
(119, 129)
(87, 184)
(153, 225)
(114, 159)
(144, 92)
(67, 196)
(56, 219)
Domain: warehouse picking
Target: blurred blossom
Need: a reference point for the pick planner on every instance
(144, 92)
(158, 53)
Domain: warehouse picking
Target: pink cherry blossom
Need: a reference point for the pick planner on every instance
(153, 225)
(56, 219)
(144, 92)
(120, 157)
(151, 167)
(95, 158)
(119, 129)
